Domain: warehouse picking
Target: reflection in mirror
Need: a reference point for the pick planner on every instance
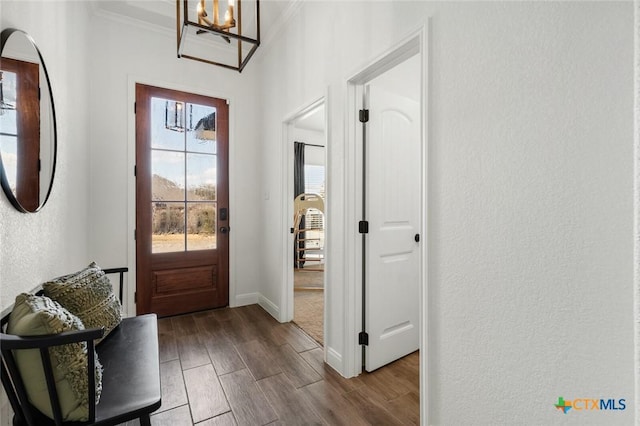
(27, 123)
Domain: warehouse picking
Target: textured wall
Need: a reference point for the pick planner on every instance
(636, 209)
(35, 247)
(124, 53)
(530, 193)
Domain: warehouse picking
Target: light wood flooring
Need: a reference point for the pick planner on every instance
(240, 366)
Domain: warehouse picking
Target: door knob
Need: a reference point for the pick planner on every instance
(224, 229)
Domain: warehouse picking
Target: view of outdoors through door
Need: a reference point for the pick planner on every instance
(309, 222)
(182, 201)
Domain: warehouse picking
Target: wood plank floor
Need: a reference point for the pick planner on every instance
(241, 367)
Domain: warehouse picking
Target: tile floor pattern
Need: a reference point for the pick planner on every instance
(241, 367)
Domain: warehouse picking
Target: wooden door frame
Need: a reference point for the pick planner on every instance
(416, 43)
(216, 294)
(129, 304)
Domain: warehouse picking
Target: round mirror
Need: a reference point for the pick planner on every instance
(27, 123)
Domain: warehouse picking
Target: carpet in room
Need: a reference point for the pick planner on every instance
(308, 312)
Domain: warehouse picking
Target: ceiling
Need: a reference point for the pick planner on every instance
(162, 13)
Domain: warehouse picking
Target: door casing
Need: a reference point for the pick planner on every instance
(287, 296)
(196, 279)
(129, 305)
(415, 43)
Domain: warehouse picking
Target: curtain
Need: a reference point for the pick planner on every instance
(298, 188)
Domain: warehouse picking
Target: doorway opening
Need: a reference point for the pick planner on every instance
(306, 149)
(182, 201)
(387, 211)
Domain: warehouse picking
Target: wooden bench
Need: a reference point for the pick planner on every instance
(131, 377)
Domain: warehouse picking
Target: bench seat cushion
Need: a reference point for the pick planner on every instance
(38, 315)
(131, 361)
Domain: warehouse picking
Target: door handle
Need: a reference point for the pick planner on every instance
(417, 238)
(224, 229)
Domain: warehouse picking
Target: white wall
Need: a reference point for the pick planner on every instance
(530, 193)
(530, 177)
(124, 52)
(636, 207)
(54, 241)
(35, 247)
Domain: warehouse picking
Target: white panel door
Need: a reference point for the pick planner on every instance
(392, 303)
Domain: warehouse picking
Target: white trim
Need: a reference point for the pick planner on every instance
(268, 306)
(277, 26)
(425, 105)
(287, 203)
(332, 356)
(636, 211)
(287, 295)
(131, 282)
(416, 43)
(246, 299)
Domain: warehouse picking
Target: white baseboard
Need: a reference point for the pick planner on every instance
(334, 359)
(269, 306)
(257, 298)
(245, 299)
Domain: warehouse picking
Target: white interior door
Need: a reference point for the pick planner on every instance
(392, 304)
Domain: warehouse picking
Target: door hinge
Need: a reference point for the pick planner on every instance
(364, 115)
(135, 171)
(135, 107)
(363, 227)
(135, 297)
(135, 234)
(363, 338)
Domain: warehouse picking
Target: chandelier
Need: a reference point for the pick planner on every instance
(218, 32)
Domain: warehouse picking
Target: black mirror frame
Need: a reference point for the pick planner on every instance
(4, 37)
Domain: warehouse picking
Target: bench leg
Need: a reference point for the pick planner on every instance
(145, 420)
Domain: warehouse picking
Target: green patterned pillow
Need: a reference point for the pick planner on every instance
(89, 295)
(38, 315)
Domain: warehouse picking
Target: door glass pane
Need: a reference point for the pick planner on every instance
(167, 170)
(201, 226)
(168, 227)
(184, 176)
(201, 137)
(169, 121)
(201, 177)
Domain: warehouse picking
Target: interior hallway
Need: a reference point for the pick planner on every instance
(240, 366)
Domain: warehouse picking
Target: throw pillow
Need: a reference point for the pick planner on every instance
(89, 295)
(38, 315)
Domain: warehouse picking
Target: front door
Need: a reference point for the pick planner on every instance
(182, 209)
(392, 303)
